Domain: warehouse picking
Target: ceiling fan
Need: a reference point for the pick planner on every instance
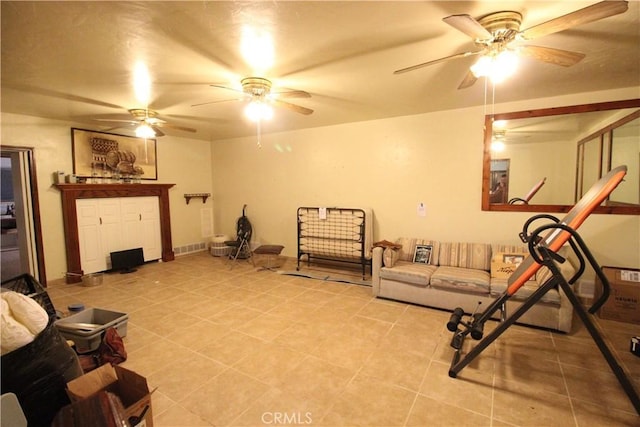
(257, 90)
(147, 123)
(498, 38)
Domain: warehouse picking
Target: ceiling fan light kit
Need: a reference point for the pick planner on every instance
(497, 146)
(497, 67)
(258, 110)
(147, 119)
(256, 86)
(145, 131)
(500, 60)
(498, 141)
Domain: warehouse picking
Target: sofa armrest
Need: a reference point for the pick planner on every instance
(376, 265)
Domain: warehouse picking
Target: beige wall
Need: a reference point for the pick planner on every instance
(389, 165)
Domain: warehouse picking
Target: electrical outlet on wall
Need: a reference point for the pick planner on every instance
(422, 209)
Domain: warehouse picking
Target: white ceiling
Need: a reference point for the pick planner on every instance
(74, 60)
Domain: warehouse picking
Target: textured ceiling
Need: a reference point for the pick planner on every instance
(74, 60)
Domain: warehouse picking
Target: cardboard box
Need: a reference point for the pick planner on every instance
(623, 303)
(504, 264)
(130, 387)
(102, 409)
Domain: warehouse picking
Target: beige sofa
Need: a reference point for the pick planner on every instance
(458, 275)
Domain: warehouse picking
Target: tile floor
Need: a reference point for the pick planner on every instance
(238, 347)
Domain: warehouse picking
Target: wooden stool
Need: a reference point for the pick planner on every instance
(270, 251)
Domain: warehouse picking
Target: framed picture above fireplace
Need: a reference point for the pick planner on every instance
(103, 155)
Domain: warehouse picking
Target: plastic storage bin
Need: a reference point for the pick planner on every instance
(85, 328)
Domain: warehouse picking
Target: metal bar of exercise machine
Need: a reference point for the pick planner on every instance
(544, 252)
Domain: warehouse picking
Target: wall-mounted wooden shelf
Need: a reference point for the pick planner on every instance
(203, 196)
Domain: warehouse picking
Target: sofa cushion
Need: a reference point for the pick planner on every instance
(461, 279)
(498, 286)
(509, 249)
(409, 272)
(409, 249)
(467, 255)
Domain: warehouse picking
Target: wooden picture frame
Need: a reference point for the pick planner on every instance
(104, 155)
(422, 254)
(513, 258)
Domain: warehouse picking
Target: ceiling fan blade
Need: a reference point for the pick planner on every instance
(176, 127)
(53, 93)
(157, 131)
(292, 94)
(595, 12)
(113, 128)
(468, 25)
(227, 87)
(217, 102)
(468, 80)
(292, 107)
(207, 120)
(565, 58)
(436, 61)
(130, 122)
(154, 121)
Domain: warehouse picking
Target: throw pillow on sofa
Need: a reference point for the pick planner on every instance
(390, 256)
(408, 250)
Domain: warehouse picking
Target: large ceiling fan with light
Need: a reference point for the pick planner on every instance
(146, 122)
(499, 40)
(257, 91)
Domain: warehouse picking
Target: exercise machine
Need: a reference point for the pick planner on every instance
(530, 194)
(543, 244)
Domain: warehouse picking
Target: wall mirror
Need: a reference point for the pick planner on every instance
(551, 156)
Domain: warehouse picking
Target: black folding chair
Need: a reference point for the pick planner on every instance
(239, 248)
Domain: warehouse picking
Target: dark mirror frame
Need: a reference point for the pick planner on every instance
(573, 109)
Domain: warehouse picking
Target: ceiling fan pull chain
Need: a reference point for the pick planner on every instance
(484, 112)
(259, 132)
(493, 98)
(493, 102)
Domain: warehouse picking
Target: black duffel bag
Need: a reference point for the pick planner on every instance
(38, 373)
